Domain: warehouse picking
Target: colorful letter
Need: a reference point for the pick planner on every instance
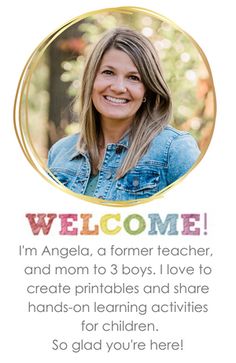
(41, 223)
(104, 221)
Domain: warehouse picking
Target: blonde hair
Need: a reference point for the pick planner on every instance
(152, 115)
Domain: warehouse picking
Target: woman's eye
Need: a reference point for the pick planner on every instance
(107, 71)
(134, 78)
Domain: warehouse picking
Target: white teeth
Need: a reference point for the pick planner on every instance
(116, 100)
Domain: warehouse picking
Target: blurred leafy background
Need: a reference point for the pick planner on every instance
(55, 82)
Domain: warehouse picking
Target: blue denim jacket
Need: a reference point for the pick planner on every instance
(170, 155)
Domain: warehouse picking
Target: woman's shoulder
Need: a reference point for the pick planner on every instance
(63, 149)
(170, 137)
(169, 132)
(172, 144)
(180, 149)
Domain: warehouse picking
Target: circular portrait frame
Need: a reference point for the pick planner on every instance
(31, 94)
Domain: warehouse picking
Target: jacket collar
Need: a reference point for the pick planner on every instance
(124, 141)
(74, 152)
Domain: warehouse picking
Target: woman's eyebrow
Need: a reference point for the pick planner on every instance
(111, 67)
(107, 66)
(134, 72)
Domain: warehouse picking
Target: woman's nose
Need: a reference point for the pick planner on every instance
(118, 86)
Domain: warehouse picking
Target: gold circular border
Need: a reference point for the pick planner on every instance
(21, 98)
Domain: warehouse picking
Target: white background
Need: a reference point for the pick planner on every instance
(209, 188)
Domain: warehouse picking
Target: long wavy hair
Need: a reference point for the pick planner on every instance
(152, 115)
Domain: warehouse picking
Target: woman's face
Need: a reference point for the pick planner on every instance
(118, 90)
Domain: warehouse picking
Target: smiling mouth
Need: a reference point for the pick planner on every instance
(116, 100)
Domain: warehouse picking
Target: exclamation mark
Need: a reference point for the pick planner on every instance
(205, 223)
(182, 344)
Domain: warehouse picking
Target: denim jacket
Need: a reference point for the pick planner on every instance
(170, 155)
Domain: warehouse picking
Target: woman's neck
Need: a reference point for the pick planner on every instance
(112, 132)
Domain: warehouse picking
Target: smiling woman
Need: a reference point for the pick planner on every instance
(118, 91)
(125, 149)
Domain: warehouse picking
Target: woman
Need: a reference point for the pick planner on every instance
(125, 149)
